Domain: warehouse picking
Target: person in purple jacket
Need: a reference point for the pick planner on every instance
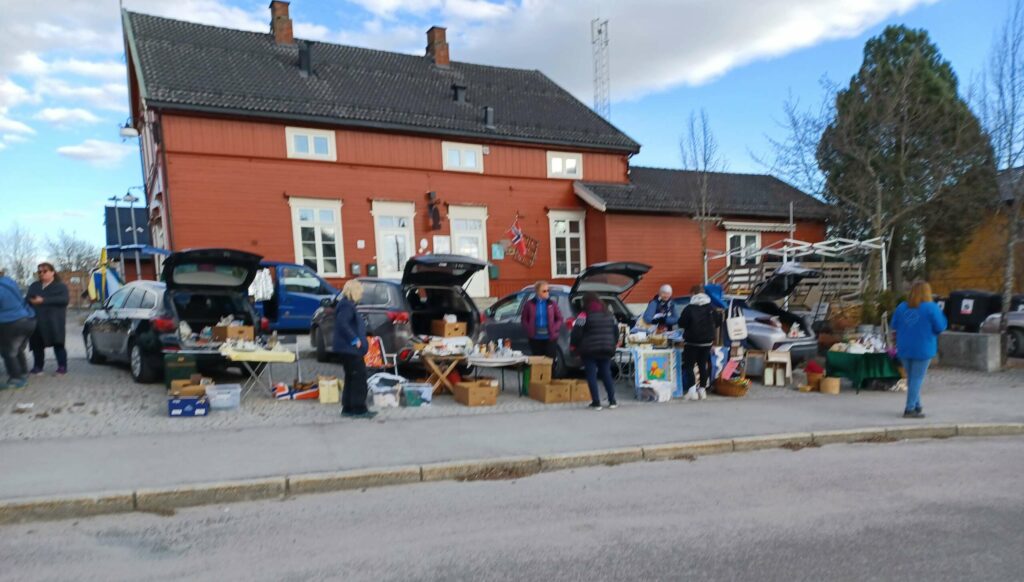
(917, 322)
(542, 321)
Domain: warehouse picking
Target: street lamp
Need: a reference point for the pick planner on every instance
(131, 200)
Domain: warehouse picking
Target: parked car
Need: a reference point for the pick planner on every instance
(401, 311)
(298, 293)
(767, 322)
(610, 281)
(1015, 331)
(139, 323)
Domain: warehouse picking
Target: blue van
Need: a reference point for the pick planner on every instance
(298, 293)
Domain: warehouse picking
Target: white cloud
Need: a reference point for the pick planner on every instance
(64, 117)
(30, 63)
(11, 94)
(388, 8)
(13, 138)
(97, 152)
(13, 125)
(112, 96)
(3, 146)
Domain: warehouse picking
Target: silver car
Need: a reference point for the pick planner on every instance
(1015, 331)
(767, 322)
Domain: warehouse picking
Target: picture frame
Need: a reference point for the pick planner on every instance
(656, 366)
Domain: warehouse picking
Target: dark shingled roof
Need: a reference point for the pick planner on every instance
(674, 191)
(196, 67)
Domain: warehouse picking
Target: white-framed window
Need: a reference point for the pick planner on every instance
(311, 144)
(462, 157)
(565, 165)
(568, 242)
(316, 231)
(747, 243)
(395, 237)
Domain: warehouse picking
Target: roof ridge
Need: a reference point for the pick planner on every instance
(660, 169)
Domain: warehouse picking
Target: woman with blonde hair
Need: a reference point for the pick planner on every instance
(350, 343)
(917, 322)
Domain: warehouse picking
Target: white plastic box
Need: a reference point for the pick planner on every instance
(224, 396)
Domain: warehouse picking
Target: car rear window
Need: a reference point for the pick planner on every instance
(210, 275)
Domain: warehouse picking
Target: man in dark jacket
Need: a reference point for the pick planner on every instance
(700, 322)
(49, 297)
(594, 337)
(351, 344)
(542, 321)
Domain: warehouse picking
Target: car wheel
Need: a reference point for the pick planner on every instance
(1015, 343)
(321, 348)
(141, 365)
(90, 350)
(559, 369)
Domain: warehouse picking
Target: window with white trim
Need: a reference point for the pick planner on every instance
(393, 229)
(568, 242)
(316, 231)
(462, 157)
(746, 243)
(311, 144)
(565, 165)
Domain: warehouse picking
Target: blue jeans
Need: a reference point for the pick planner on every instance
(915, 370)
(593, 366)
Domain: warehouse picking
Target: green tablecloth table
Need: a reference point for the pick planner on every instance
(861, 367)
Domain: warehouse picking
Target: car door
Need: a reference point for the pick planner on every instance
(121, 322)
(300, 292)
(379, 309)
(103, 329)
(502, 321)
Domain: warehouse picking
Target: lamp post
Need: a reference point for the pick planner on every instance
(131, 200)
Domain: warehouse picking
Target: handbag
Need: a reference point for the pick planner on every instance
(736, 323)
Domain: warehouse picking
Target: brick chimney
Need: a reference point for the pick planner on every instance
(281, 23)
(437, 46)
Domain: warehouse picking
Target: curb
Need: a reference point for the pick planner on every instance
(163, 500)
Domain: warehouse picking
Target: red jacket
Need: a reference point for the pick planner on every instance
(555, 319)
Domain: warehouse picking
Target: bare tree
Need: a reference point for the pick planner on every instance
(18, 253)
(69, 253)
(699, 151)
(1002, 111)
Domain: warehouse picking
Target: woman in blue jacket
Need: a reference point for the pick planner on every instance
(917, 322)
(17, 323)
(350, 343)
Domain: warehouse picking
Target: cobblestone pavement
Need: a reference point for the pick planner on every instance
(103, 400)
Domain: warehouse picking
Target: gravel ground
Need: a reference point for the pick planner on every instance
(103, 400)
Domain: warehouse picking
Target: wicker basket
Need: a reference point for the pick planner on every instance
(731, 388)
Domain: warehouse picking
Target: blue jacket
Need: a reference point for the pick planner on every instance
(656, 306)
(349, 326)
(12, 303)
(917, 330)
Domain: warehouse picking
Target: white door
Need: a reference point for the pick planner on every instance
(394, 234)
(469, 238)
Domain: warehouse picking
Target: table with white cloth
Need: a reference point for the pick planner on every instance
(261, 356)
(517, 363)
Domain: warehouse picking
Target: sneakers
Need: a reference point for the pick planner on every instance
(594, 406)
(61, 371)
(702, 393)
(612, 405)
(913, 413)
(367, 414)
(36, 371)
(691, 394)
(15, 383)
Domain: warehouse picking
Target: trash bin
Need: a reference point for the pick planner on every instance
(966, 310)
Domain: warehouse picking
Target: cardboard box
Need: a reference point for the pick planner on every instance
(540, 369)
(186, 389)
(178, 367)
(442, 328)
(580, 391)
(480, 393)
(550, 393)
(188, 407)
(223, 333)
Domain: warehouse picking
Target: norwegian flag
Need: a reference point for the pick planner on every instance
(518, 239)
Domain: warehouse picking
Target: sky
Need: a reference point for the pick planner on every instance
(63, 91)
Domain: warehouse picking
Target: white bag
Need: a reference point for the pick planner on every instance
(736, 323)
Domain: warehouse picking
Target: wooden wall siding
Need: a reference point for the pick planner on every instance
(241, 203)
(671, 245)
(266, 140)
(980, 265)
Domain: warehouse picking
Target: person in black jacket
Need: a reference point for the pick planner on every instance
(700, 322)
(351, 344)
(49, 297)
(594, 337)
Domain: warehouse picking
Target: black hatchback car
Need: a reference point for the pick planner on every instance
(610, 281)
(399, 312)
(139, 323)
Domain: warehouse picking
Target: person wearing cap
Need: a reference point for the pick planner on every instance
(660, 312)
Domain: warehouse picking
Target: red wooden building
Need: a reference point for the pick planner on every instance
(351, 160)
